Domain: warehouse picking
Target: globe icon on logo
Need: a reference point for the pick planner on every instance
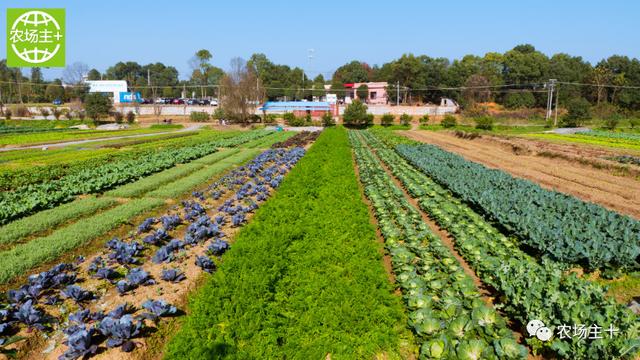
(35, 37)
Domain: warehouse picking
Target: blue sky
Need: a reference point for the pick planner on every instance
(100, 33)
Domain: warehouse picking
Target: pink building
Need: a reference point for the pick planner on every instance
(377, 92)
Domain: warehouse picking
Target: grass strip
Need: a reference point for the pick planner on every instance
(181, 186)
(153, 182)
(299, 282)
(23, 257)
(51, 218)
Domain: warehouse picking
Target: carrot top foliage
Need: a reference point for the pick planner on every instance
(304, 279)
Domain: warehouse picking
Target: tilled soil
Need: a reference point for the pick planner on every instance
(599, 186)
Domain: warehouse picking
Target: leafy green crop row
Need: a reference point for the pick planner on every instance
(71, 135)
(31, 198)
(23, 257)
(611, 135)
(182, 185)
(48, 219)
(560, 226)
(529, 290)
(151, 183)
(447, 312)
(32, 167)
(300, 282)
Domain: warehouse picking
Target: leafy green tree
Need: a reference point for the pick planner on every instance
(93, 74)
(363, 92)
(356, 114)
(97, 106)
(318, 86)
(353, 72)
(517, 100)
(524, 65)
(54, 91)
(578, 110)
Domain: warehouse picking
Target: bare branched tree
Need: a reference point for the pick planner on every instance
(240, 91)
(74, 73)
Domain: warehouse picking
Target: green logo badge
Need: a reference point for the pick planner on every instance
(35, 37)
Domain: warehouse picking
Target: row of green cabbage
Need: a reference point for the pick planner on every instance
(31, 198)
(529, 290)
(446, 310)
(557, 225)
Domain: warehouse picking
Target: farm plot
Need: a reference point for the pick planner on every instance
(299, 281)
(603, 139)
(26, 167)
(557, 225)
(553, 166)
(78, 302)
(446, 310)
(35, 138)
(528, 288)
(28, 199)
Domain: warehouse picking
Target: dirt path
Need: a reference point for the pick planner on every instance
(617, 193)
(76, 142)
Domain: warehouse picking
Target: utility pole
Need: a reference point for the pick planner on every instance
(398, 93)
(555, 120)
(550, 90)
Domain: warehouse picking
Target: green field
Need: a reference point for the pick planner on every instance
(296, 282)
(71, 135)
(615, 143)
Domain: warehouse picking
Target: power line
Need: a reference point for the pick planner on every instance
(603, 85)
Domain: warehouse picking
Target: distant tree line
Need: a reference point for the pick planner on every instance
(514, 79)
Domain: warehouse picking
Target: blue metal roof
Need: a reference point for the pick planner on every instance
(295, 105)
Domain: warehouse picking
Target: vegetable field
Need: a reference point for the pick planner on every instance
(339, 244)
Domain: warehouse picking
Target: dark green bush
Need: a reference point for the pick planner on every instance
(405, 119)
(484, 122)
(199, 116)
(117, 117)
(131, 117)
(327, 119)
(424, 119)
(449, 121)
(356, 114)
(387, 119)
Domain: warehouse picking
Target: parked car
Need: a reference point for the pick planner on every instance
(203, 102)
(177, 101)
(193, 102)
(57, 102)
(213, 102)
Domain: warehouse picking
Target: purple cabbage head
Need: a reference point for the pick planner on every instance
(218, 247)
(159, 308)
(206, 263)
(77, 294)
(172, 275)
(119, 332)
(81, 343)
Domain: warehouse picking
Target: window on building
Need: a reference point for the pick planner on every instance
(373, 95)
